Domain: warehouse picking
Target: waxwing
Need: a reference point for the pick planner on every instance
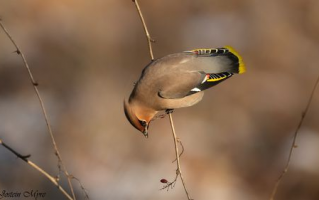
(178, 80)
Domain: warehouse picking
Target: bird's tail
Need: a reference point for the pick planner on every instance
(227, 59)
(241, 67)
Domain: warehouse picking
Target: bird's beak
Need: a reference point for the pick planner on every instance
(145, 132)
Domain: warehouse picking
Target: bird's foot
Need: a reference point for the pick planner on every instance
(169, 111)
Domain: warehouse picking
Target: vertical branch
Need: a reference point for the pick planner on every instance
(178, 170)
(39, 169)
(293, 145)
(176, 141)
(35, 87)
(148, 37)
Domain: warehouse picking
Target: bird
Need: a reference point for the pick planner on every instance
(178, 80)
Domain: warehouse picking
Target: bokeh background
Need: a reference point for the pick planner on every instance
(86, 56)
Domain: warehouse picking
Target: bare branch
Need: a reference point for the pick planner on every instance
(178, 170)
(39, 169)
(169, 112)
(149, 39)
(293, 145)
(35, 87)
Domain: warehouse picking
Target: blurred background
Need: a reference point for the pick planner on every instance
(86, 56)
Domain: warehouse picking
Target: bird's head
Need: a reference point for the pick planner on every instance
(138, 117)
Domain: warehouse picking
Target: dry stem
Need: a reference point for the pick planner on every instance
(35, 87)
(39, 169)
(180, 142)
(293, 145)
(178, 170)
(148, 37)
(176, 141)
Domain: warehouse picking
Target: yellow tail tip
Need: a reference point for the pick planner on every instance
(242, 67)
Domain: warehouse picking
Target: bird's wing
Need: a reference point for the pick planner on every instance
(191, 83)
(210, 80)
(178, 85)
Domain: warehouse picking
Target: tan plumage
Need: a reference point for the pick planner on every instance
(177, 81)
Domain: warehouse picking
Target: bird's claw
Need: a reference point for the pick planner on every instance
(169, 111)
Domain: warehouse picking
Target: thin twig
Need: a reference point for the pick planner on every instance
(82, 187)
(168, 184)
(35, 87)
(178, 170)
(180, 142)
(149, 39)
(293, 145)
(39, 169)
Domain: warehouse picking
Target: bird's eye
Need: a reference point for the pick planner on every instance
(143, 123)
